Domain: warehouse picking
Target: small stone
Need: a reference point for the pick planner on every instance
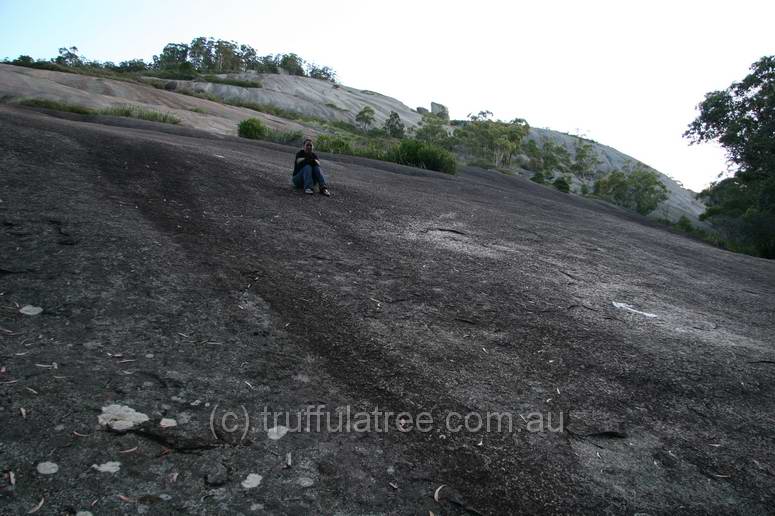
(120, 417)
(149, 355)
(257, 507)
(31, 310)
(253, 480)
(47, 468)
(277, 432)
(168, 423)
(306, 482)
(59, 428)
(83, 513)
(165, 497)
(108, 467)
(216, 475)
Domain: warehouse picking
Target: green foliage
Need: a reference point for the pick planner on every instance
(334, 145)
(539, 178)
(561, 184)
(252, 128)
(56, 106)
(141, 114)
(423, 155)
(323, 73)
(285, 137)
(394, 126)
(584, 189)
(334, 106)
(365, 117)
(491, 140)
(742, 119)
(186, 61)
(481, 163)
(554, 157)
(122, 111)
(636, 189)
(433, 130)
(585, 160)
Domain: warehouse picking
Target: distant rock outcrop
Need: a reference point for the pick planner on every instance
(440, 110)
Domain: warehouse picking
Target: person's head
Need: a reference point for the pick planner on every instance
(307, 145)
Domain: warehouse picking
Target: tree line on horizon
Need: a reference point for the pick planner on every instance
(186, 60)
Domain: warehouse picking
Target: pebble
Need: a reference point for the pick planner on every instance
(83, 513)
(108, 467)
(59, 428)
(31, 310)
(47, 468)
(253, 480)
(168, 423)
(149, 355)
(120, 417)
(306, 482)
(277, 432)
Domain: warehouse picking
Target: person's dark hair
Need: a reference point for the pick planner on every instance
(305, 141)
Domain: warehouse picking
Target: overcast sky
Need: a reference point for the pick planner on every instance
(626, 74)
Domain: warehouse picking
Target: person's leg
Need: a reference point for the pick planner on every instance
(317, 177)
(298, 180)
(306, 177)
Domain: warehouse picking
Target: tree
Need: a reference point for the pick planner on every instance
(172, 56)
(365, 117)
(394, 126)
(635, 188)
(69, 57)
(433, 130)
(23, 60)
(585, 160)
(324, 73)
(742, 120)
(292, 64)
(490, 140)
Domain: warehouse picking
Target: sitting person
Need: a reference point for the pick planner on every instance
(306, 171)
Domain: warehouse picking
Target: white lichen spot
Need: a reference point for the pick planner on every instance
(47, 468)
(253, 480)
(108, 467)
(120, 417)
(277, 432)
(168, 423)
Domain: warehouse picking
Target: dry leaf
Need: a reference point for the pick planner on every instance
(23, 412)
(33, 391)
(393, 485)
(130, 450)
(125, 499)
(37, 507)
(12, 478)
(79, 435)
(438, 489)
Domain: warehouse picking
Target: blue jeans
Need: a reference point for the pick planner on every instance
(308, 176)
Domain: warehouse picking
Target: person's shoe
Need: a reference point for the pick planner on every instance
(309, 191)
(325, 192)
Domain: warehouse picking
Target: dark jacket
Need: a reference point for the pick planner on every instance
(298, 164)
